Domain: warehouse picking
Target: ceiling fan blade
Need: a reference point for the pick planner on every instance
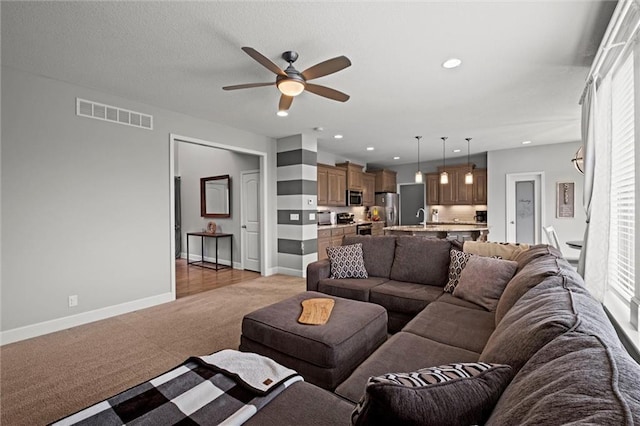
(264, 61)
(327, 67)
(327, 92)
(285, 103)
(247, 86)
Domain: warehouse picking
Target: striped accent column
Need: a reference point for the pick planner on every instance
(297, 203)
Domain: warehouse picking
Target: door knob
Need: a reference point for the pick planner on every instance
(244, 226)
(512, 222)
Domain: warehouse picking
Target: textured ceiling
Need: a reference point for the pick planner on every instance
(524, 65)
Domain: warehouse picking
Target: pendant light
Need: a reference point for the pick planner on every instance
(418, 173)
(468, 177)
(444, 176)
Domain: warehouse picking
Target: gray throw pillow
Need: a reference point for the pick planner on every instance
(453, 394)
(483, 280)
(347, 261)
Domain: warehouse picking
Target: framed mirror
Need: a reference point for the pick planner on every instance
(215, 196)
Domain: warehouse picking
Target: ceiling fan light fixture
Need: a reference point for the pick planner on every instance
(290, 87)
(282, 113)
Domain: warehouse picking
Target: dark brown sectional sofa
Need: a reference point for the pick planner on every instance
(569, 365)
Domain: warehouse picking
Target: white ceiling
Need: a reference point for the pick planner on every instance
(524, 65)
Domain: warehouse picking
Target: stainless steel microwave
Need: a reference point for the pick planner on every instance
(354, 198)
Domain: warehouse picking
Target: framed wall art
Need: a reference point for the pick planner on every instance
(565, 199)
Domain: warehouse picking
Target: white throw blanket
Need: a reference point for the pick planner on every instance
(256, 371)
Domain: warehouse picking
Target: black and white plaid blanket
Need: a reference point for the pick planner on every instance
(194, 393)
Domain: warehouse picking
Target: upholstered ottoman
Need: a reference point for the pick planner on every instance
(324, 355)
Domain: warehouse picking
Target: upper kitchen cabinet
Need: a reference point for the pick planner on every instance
(368, 189)
(480, 186)
(332, 186)
(433, 189)
(354, 175)
(385, 180)
(457, 192)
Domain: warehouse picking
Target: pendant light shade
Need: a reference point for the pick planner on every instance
(468, 177)
(444, 176)
(418, 178)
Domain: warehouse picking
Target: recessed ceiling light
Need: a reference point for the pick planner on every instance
(526, 142)
(451, 63)
(338, 136)
(282, 113)
(396, 158)
(456, 150)
(370, 148)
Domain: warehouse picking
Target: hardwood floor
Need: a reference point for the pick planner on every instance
(194, 279)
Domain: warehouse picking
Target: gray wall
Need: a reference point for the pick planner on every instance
(86, 203)
(555, 162)
(195, 162)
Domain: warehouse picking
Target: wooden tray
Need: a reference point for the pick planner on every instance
(316, 311)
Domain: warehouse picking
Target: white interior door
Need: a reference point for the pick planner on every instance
(525, 205)
(250, 216)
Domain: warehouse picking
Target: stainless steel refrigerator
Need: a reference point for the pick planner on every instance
(389, 202)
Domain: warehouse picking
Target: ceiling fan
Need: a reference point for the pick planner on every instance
(292, 82)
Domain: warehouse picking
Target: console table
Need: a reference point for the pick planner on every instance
(203, 263)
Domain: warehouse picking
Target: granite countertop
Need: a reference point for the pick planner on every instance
(440, 227)
(459, 222)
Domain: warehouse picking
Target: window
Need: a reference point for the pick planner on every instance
(621, 270)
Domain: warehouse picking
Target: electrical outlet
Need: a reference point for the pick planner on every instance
(294, 216)
(73, 300)
(312, 216)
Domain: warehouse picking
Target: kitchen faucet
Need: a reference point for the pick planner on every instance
(424, 215)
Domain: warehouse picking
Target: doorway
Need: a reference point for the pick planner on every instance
(411, 200)
(261, 204)
(525, 205)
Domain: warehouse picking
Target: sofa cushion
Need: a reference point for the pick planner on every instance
(408, 298)
(421, 260)
(452, 394)
(453, 325)
(310, 404)
(457, 262)
(402, 352)
(544, 313)
(575, 379)
(347, 261)
(451, 299)
(534, 252)
(483, 280)
(350, 288)
(378, 252)
(527, 278)
(506, 251)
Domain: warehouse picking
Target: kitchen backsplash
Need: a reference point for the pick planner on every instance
(462, 213)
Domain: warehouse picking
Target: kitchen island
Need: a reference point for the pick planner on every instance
(456, 231)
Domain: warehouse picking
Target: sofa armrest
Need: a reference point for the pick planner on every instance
(316, 271)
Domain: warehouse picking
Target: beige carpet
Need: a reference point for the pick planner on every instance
(48, 377)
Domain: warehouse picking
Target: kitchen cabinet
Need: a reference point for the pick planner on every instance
(332, 186)
(433, 189)
(385, 180)
(377, 228)
(332, 237)
(354, 175)
(480, 186)
(456, 192)
(368, 189)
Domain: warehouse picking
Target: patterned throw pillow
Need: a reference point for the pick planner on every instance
(453, 394)
(347, 261)
(456, 264)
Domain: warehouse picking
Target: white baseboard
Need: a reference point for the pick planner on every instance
(46, 327)
(292, 272)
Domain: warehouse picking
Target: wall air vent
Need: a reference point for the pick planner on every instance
(91, 109)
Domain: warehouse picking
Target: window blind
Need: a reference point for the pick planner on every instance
(621, 273)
